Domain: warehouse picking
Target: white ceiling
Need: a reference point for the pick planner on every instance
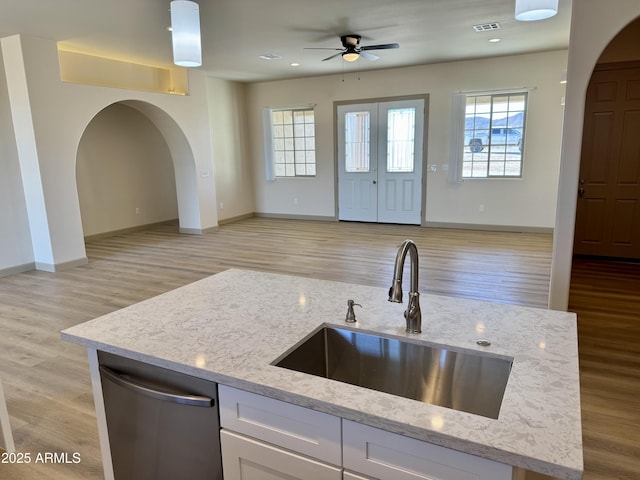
(236, 32)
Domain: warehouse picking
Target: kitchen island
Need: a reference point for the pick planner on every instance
(229, 328)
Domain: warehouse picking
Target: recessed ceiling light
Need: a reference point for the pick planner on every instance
(269, 56)
(294, 64)
(495, 40)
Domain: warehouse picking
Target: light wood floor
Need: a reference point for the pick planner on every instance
(606, 296)
(47, 383)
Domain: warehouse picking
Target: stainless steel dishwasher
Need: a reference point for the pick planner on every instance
(163, 425)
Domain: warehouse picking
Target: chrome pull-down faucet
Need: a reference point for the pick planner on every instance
(412, 314)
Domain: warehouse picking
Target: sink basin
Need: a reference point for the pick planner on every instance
(465, 381)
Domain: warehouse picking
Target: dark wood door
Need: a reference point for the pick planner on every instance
(608, 210)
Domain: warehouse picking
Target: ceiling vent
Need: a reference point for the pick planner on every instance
(485, 27)
(269, 56)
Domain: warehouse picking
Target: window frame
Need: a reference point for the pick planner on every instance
(290, 148)
(463, 149)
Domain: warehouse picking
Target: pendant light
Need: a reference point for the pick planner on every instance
(530, 10)
(185, 33)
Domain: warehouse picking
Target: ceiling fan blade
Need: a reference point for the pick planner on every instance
(321, 48)
(332, 56)
(384, 46)
(369, 56)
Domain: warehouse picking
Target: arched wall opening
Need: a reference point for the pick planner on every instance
(49, 118)
(124, 173)
(134, 168)
(608, 207)
(625, 46)
(593, 25)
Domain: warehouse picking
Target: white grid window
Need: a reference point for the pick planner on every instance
(294, 144)
(494, 135)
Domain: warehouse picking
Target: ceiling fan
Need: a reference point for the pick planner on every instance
(352, 50)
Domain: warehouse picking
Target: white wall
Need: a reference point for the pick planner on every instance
(124, 173)
(594, 24)
(526, 202)
(227, 110)
(16, 253)
(49, 118)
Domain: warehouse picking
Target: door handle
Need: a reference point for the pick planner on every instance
(580, 192)
(154, 392)
(374, 182)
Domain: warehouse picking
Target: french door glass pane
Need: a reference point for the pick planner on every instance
(400, 139)
(356, 143)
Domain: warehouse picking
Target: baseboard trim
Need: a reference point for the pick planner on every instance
(25, 267)
(59, 267)
(492, 228)
(197, 231)
(137, 228)
(237, 218)
(287, 216)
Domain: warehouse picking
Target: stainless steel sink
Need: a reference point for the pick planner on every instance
(465, 381)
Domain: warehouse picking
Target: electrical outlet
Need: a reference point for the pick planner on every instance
(221, 205)
(137, 210)
(295, 200)
(481, 208)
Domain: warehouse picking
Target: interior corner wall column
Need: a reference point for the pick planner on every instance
(47, 166)
(27, 150)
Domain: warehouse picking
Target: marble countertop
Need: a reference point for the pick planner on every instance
(230, 327)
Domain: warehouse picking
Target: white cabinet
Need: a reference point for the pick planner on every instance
(244, 458)
(300, 429)
(389, 456)
(352, 476)
(267, 439)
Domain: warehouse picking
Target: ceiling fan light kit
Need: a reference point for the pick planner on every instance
(350, 56)
(185, 33)
(531, 10)
(352, 50)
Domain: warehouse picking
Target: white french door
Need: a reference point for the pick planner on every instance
(380, 161)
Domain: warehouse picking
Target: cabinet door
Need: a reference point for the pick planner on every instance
(244, 458)
(279, 423)
(353, 476)
(388, 456)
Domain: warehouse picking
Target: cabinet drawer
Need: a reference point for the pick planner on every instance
(245, 458)
(388, 456)
(300, 429)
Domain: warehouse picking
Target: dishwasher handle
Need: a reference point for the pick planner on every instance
(125, 381)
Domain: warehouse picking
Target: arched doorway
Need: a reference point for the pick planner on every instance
(608, 205)
(603, 290)
(594, 24)
(124, 173)
(164, 167)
